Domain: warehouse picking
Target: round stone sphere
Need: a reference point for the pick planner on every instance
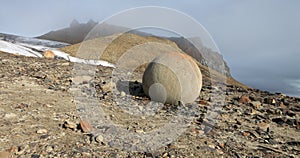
(172, 77)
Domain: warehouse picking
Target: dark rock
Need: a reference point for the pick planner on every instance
(295, 108)
(270, 100)
(291, 122)
(293, 143)
(290, 113)
(35, 156)
(279, 120)
(285, 101)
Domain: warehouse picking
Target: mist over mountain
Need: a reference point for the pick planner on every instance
(77, 32)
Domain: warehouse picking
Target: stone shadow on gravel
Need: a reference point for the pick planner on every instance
(133, 88)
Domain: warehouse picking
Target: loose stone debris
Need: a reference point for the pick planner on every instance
(40, 117)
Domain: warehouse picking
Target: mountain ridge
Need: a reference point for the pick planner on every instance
(77, 32)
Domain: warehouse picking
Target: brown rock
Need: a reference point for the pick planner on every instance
(49, 54)
(263, 126)
(85, 126)
(85, 154)
(244, 99)
(246, 134)
(222, 145)
(203, 102)
(12, 149)
(282, 105)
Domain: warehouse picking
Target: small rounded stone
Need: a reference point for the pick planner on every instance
(99, 138)
(123, 94)
(172, 77)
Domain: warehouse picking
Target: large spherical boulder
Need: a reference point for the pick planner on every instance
(172, 77)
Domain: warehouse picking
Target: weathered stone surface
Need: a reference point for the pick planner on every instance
(256, 104)
(49, 54)
(42, 131)
(85, 126)
(172, 77)
(244, 99)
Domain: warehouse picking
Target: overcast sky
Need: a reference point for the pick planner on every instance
(260, 39)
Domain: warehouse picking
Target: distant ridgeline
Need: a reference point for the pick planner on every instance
(77, 32)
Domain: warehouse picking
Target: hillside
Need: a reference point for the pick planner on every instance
(77, 32)
(119, 43)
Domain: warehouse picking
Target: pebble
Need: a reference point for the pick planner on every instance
(70, 125)
(99, 138)
(244, 99)
(222, 145)
(165, 155)
(108, 86)
(85, 154)
(281, 104)
(123, 94)
(10, 115)
(203, 102)
(269, 100)
(139, 131)
(41, 131)
(141, 108)
(263, 126)
(212, 146)
(49, 148)
(256, 104)
(65, 64)
(246, 134)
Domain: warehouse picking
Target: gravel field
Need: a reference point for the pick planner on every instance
(39, 116)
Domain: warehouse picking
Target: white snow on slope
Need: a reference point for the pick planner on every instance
(27, 49)
(18, 50)
(30, 46)
(40, 42)
(78, 60)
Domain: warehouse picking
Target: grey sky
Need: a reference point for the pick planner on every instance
(259, 39)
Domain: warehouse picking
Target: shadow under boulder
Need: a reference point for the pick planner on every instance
(133, 88)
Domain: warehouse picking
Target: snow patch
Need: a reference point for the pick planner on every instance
(33, 50)
(40, 42)
(18, 50)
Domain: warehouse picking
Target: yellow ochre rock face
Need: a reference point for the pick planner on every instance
(172, 77)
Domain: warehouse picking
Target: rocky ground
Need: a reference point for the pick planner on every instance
(39, 117)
